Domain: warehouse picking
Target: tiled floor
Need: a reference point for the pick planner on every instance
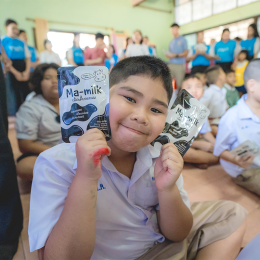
(201, 185)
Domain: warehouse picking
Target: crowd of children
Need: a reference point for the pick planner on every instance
(132, 205)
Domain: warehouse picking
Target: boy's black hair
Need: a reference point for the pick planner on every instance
(253, 25)
(230, 71)
(191, 76)
(175, 25)
(252, 71)
(99, 36)
(142, 65)
(46, 41)
(212, 74)
(244, 51)
(38, 75)
(21, 31)
(9, 21)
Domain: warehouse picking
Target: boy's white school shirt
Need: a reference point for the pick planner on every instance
(238, 125)
(214, 98)
(126, 223)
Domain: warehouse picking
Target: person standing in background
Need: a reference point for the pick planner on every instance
(129, 40)
(199, 55)
(49, 56)
(11, 214)
(34, 53)
(138, 48)
(178, 50)
(18, 75)
(147, 43)
(75, 54)
(252, 44)
(225, 51)
(112, 58)
(96, 56)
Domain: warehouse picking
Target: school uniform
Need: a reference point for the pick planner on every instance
(232, 95)
(17, 51)
(77, 55)
(252, 46)
(238, 125)
(38, 120)
(47, 57)
(214, 98)
(110, 63)
(130, 229)
(34, 55)
(226, 51)
(134, 50)
(205, 127)
(200, 63)
(240, 69)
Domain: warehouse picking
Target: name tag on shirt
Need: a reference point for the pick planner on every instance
(246, 148)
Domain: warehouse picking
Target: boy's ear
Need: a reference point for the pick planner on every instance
(250, 85)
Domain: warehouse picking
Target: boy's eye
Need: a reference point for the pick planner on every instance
(130, 99)
(155, 110)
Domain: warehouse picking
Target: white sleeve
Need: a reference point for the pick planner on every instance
(57, 57)
(205, 99)
(70, 54)
(190, 53)
(212, 50)
(42, 57)
(205, 127)
(37, 54)
(257, 45)
(237, 49)
(128, 51)
(146, 50)
(26, 51)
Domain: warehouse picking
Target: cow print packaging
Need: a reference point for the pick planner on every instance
(84, 101)
(185, 118)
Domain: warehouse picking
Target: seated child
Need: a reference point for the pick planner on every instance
(202, 78)
(232, 95)
(239, 124)
(124, 199)
(201, 151)
(240, 67)
(38, 121)
(214, 98)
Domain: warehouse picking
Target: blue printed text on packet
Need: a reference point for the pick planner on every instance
(83, 100)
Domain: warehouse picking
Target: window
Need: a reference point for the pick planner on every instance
(187, 11)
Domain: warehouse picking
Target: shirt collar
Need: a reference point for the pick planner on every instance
(227, 86)
(40, 100)
(244, 110)
(215, 87)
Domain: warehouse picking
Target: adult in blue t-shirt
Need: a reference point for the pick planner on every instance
(199, 55)
(35, 61)
(178, 50)
(76, 54)
(224, 51)
(18, 75)
(252, 44)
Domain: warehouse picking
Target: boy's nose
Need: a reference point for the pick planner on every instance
(140, 116)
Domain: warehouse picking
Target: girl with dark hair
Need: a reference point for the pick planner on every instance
(137, 49)
(49, 56)
(38, 120)
(224, 51)
(76, 54)
(252, 44)
(112, 57)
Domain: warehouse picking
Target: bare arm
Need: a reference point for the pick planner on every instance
(192, 57)
(180, 55)
(31, 146)
(174, 218)
(35, 64)
(95, 61)
(203, 145)
(71, 61)
(243, 162)
(209, 137)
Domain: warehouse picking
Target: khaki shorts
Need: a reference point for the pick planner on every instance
(250, 180)
(212, 221)
(178, 72)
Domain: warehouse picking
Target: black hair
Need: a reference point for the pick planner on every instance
(225, 30)
(9, 21)
(142, 65)
(252, 71)
(175, 25)
(230, 71)
(253, 25)
(238, 39)
(114, 51)
(191, 76)
(212, 74)
(246, 53)
(127, 39)
(45, 42)
(99, 36)
(38, 75)
(21, 31)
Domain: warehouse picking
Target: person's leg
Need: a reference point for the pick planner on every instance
(180, 74)
(214, 130)
(200, 157)
(11, 94)
(24, 167)
(172, 69)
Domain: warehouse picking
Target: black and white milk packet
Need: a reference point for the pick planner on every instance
(84, 101)
(186, 116)
(246, 148)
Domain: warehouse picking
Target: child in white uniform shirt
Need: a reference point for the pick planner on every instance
(37, 121)
(214, 97)
(239, 124)
(201, 151)
(123, 199)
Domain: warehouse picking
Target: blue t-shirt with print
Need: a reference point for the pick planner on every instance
(177, 46)
(249, 45)
(200, 59)
(33, 53)
(225, 50)
(78, 55)
(14, 48)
